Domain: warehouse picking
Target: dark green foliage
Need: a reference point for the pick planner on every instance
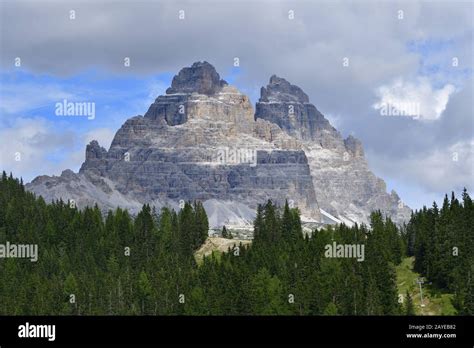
(442, 241)
(224, 233)
(119, 265)
(409, 307)
(111, 265)
(284, 273)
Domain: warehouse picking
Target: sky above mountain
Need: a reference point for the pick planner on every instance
(350, 57)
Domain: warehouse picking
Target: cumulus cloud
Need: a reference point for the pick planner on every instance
(438, 170)
(418, 99)
(29, 145)
(103, 135)
(307, 50)
(18, 97)
(445, 169)
(34, 146)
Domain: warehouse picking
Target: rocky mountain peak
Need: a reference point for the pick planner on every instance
(354, 145)
(201, 78)
(281, 90)
(229, 157)
(288, 106)
(198, 93)
(95, 151)
(95, 156)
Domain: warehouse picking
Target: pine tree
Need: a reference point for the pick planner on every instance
(267, 294)
(258, 227)
(287, 224)
(272, 227)
(409, 307)
(144, 230)
(201, 223)
(71, 294)
(144, 292)
(187, 240)
(331, 309)
(84, 255)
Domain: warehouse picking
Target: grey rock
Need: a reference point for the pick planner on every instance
(282, 91)
(203, 141)
(354, 146)
(288, 106)
(201, 78)
(344, 185)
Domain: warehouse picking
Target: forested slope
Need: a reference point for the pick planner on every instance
(90, 265)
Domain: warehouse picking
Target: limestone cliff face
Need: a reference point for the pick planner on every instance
(227, 106)
(288, 106)
(200, 78)
(203, 141)
(344, 185)
(198, 142)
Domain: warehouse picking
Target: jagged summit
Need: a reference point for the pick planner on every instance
(198, 93)
(281, 90)
(344, 185)
(200, 78)
(95, 157)
(354, 145)
(288, 106)
(203, 141)
(94, 150)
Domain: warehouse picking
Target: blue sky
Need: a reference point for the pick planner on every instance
(391, 59)
(34, 96)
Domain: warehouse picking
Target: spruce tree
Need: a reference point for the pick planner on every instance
(409, 307)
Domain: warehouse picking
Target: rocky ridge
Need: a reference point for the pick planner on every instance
(203, 141)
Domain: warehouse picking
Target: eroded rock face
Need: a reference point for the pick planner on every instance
(288, 106)
(201, 78)
(280, 90)
(203, 141)
(344, 185)
(226, 106)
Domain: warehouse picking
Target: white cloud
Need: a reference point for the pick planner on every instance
(155, 89)
(441, 170)
(31, 146)
(445, 169)
(103, 135)
(20, 97)
(416, 98)
(308, 51)
(334, 119)
(34, 146)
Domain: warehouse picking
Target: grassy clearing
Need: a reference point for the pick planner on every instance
(216, 246)
(436, 303)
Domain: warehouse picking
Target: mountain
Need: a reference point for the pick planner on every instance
(203, 141)
(344, 185)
